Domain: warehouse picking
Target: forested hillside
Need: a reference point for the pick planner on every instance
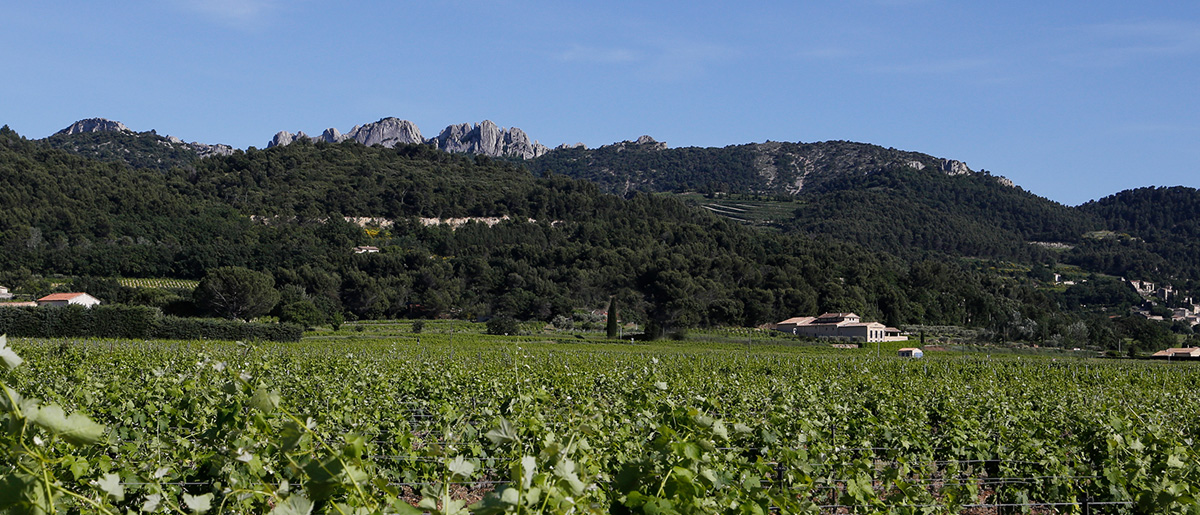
(886, 244)
(566, 245)
(909, 212)
(1154, 233)
(771, 168)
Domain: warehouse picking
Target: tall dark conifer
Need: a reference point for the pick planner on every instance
(612, 318)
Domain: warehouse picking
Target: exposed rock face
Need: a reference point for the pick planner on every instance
(282, 138)
(565, 146)
(388, 132)
(206, 150)
(952, 167)
(94, 125)
(489, 139)
(332, 135)
(482, 138)
(647, 142)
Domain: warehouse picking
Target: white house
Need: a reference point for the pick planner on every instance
(840, 326)
(63, 299)
(366, 249)
(5, 294)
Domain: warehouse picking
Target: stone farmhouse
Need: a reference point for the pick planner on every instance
(840, 326)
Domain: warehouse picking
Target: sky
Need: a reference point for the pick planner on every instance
(1072, 100)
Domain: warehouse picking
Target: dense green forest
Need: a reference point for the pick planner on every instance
(139, 150)
(760, 168)
(888, 244)
(907, 212)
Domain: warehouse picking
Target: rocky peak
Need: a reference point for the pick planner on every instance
(94, 125)
(388, 132)
(489, 139)
(485, 138)
(644, 142)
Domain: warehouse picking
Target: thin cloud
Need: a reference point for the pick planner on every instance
(828, 53)
(582, 54)
(1116, 44)
(240, 13)
(657, 61)
(937, 67)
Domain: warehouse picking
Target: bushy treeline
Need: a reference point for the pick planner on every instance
(139, 322)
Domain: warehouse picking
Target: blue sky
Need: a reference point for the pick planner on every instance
(1072, 100)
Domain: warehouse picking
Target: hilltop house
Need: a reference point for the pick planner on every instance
(840, 326)
(64, 299)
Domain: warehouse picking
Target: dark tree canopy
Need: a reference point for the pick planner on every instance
(236, 293)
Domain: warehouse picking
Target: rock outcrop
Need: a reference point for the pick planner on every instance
(94, 125)
(482, 138)
(489, 139)
(388, 132)
(952, 167)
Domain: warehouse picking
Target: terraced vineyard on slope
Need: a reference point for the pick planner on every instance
(442, 423)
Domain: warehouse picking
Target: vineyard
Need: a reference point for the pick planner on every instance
(446, 423)
(182, 284)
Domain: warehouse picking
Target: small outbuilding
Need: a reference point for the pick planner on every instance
(5, 294)
(64, 299)
(1178, 353)
(910, 352)
(366, 249)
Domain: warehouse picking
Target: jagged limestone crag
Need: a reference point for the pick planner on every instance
(93, 125)
(488, 139)
(482, 138)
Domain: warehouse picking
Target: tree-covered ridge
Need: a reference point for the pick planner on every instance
(907, 212)
(761, 168)
(139, 150)
(1154, 233)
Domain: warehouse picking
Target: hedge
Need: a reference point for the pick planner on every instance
(135, 322)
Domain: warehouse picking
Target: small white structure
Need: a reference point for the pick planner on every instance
(1178, 353)
(365, 249)
(64, 299)
(910, 352)
(840, 326)
(5, 294)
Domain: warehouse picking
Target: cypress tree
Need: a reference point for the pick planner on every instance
(612, 318)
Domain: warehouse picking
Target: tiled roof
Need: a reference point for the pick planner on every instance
(60, 296)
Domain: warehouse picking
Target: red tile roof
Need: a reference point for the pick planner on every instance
(60, 296)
